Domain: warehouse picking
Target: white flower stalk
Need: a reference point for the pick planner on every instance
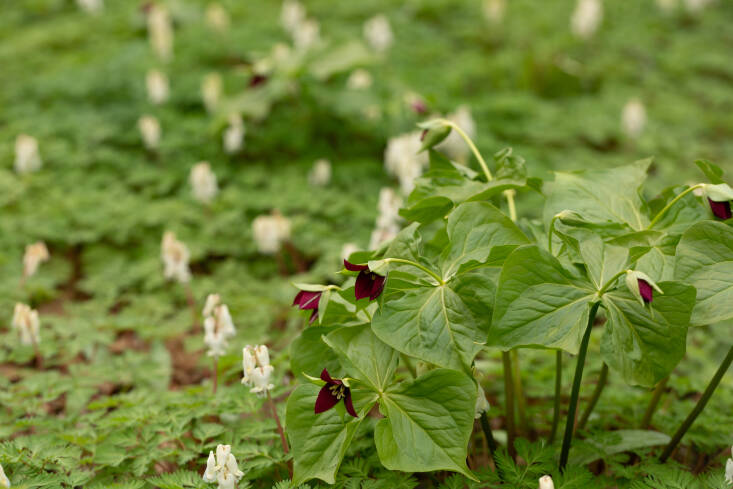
(360, 79)
(222, 468)
(211, 91)
(270, 232)
(260, 380)
(292, 15)
(203, 182)
(482, 404)
(586, 18)
(388, 218)
(4, 481)
(26, 322)
(156, 83)
(217, 18)
(27, 156)
(378, 33)
(454, 146)
(546, 482)
(149, 131)
(494, 11)
(35, 254)
(212, 300)
(257, 369)
(633, 118)
(729, 468)
(160, 31)
(401, 159)
(175, 257)
(91, 6)
(348, 249)
(233, 137)
(218, 329)
(320, 174)
(249, 363)
(306, 35)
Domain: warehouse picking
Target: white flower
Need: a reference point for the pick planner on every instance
(27, 156)
(217, 18)
(694, 6)
(233, 137)
(378, 33)
(306, 35)
(388, 218)
(35, 254)
(292, 15)
(546, 482)
(223, 468)
(26, 321)
(454, 146)
(348, 249)
(320, 174)
(249, 362)
(360, 79)
(667, 5)
(211, 91)
(150, 131)
(382, 235)
(160, 31)
(482, 404)
(262, 355)
(260, 380)
(257, 369)
(633, 118)
(175, 257)
(586, 18)
(91, 6)
(212, 300)
(203, 182)
(156, 83)
(270, 232)
(218, 329)
(729, 468)
(401, 159)
(494, 11)
(4, 481)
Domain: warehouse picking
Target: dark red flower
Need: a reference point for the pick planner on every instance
(368, 283)
(721, 210)
(257, 80)
(306, 300)
(419, 107)
(330, 394)
(646, 291)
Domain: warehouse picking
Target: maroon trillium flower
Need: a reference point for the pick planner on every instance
(646, 291)
(257, 80)
(306, 300)
(721, 210)
(330, 394)
(368, 283)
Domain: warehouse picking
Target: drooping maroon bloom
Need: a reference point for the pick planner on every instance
(257, 80)
(306, 300)
(721, 210)
(368, 283)
(330, 394)
(646, 291)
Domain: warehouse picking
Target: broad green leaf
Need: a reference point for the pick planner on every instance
(712, 171)
(309, 354)
(428, 423)
(680, 216)
(705, 260)
(608, 443)
(428, 210)
(602, 260)
(645, 342)
(364, 356)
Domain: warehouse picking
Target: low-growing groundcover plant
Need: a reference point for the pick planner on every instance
(463, 277)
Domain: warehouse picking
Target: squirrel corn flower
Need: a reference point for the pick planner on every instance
(320, 174)
(26, 321)
(546, 482)
(156, 83)
(160, 31)
(27, 156)
(359, 79)
(308, 301)
(149, 131)
(4, 481)
(332, 393)
(368, 283)
(388, 219)
(586, 18)
(212, 300)
(218, 327)
(453, 145)
(233, 137)
(270, 232)
(402, 160)
(203, 182)
(378, 33)
(719, 197)
(260, 379)
(641, 286)
(175, 257)
(35, 254)
(292, 15)
(494, 11)
(223, 468)
(91, 6)
(217, 18)
(211, 91)
(257, 369)
(306, 34)
(729, 468)
(633, 118)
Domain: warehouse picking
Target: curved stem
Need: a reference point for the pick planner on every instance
(472, 146)
(698, 407)
(417, 265)
(550, 233)
(653, 402)
(661, 213)
(610, 282)
(558, 395)
(277, 422)
(490, 442)
(509, 194)
(523, 425)
(572, 408)
(509, 394)
(602, 378)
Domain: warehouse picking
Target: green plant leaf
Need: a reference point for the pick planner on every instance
(309, 354)
(609, 443)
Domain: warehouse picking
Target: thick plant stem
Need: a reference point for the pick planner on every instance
(558, 396)
(661, 213)
(215, 374)
(698, 407)
(602, 379)
(509, 394)
(490, 442)
(471, 146)
(572, 408)
(653, 402)
(523, 426)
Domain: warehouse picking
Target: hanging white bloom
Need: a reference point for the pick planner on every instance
(382, 235)
(292, 15)
(306, 35)
(633, 118)
(260, 380)
(270, 231)
(695, 6)
(156, 83)
(546, 482)
(175, 257)
(4, 481)
(667, 5)
(482, 404)
(203, 182)
(262, 355)
(729, 468)
(217, 18)
(360, 79)
(27, 156)
(320, 174)
(454, 146)
(348, 249)
(234, 134)
(223, 468)
(211, 91)
(257, 369)
(378, 33)
(149, 131)
(160, 31)
(494, 11)
(249, 362)
(388, 206)
(35, 254)
(27, 323)
(91, 6)
(212, 300)
(401, 159)
(586, 18)
(218, 329)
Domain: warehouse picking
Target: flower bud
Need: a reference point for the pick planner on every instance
(222, 468)
(586, 18)
(175, 256)
(719, 197)
(249, 362)
(156, 83)
(27, 323)
(160, 31)
(320, 174)
(27, 156)
(546, 482)
(35, 254)
(434, 135)
(217, 18)
(211, 91)
(641, 286)
(378, 33)
(149, 131)
(203, 182)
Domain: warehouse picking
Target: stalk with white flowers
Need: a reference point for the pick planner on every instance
(160, 31)
(34, 255)
(28, 324)
(175, 256)
(211, 91)
(222, 468)
(233, 137)
(27, 156)
(149, 131)
(320, 174)
(218, 329)
(156, 83)
(203, 182)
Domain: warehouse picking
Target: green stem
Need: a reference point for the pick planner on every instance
(472, 146)
(653, 402)
(602, 379)
(509, 394)
(550, 232)
(509, 194)
(417, 265)
(661, 213)
(519, 394)
(698, 407)
(611, 282)
(572, 408)
(558, 396)
(490, 442)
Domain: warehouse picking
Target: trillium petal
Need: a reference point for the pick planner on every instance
(354, 268)
(721, 210)
(646, 291)
(307, 300)
(364, 285)
(325, 400)
(377, 286)
(349, 404)
(326, 377)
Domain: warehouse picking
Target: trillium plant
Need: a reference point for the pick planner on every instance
(398, 339)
